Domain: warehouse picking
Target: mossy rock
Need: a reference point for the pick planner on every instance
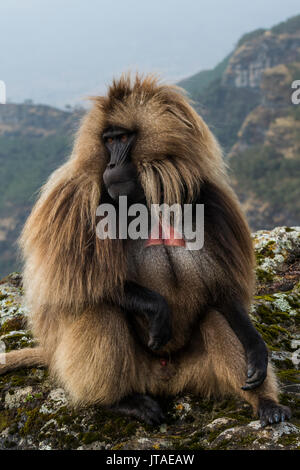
(35, 414)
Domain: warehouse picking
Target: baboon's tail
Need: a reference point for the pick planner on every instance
(27, 357)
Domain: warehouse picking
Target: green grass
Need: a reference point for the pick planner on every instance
(270, 176)
(26, 162)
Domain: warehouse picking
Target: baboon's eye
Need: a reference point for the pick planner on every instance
(124, 138)
(110, 140)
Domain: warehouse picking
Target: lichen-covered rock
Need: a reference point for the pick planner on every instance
(36, 414)
(254, 437)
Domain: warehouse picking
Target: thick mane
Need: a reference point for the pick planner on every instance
(65, 262)
(226, 225)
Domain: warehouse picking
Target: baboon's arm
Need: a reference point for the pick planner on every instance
(142, 301)
(255, 348)
(27, 357)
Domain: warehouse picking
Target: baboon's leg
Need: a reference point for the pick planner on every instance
(27, 357)
(98, 361)
(222, 365)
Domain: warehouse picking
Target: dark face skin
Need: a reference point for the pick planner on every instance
(120, 176)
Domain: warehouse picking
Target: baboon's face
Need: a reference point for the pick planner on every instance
(155, 143)
(120, 176)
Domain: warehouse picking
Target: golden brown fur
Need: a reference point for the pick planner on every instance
(72, 278)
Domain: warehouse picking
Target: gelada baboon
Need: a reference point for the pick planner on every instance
(121, 321)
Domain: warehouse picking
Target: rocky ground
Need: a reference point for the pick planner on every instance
(35, 414)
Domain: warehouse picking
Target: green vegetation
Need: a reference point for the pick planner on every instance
(225, 108)
(292, 25)
(270, 176)
(196, 84)
(252, 35)
(34, 140)
(26, 162)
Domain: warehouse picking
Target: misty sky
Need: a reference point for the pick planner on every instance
(58, 51)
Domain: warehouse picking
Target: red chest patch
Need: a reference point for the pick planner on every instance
(175, 239)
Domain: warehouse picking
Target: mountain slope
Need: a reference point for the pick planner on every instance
(34, 140)
(197, 83)
(249, 108)
(246, 99)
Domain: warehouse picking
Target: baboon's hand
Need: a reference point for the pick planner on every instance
(257, 362)
(160, 329)
(146, 302)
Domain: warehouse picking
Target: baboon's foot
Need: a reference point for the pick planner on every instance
(142, 407)
(270, 412)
